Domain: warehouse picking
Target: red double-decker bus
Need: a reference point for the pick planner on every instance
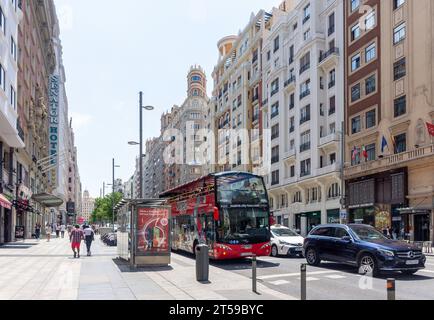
(228, 211)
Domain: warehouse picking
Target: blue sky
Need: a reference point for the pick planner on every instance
(114, 49)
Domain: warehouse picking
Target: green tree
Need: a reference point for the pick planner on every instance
(103, 208)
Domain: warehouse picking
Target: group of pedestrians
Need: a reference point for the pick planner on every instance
(76, 235)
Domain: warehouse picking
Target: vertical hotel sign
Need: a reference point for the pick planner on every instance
(53, 134)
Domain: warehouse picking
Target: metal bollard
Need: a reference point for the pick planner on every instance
(391, 289)
(303, 270)
(254, 265)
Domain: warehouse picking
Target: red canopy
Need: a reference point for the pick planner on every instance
(5, 203)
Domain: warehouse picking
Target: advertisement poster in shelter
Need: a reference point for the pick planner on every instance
(153, 234)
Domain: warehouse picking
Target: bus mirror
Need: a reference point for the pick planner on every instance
(216, 214)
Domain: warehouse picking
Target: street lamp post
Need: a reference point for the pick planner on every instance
(113, 194)
(148, 108)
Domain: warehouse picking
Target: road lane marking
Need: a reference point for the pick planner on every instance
(295, 274)
(309, 279)
(279, 282)
(427, 271)
(335, 276)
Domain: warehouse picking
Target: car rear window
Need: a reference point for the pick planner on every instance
(323, 232)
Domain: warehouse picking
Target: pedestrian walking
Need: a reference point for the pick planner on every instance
(69, 230)
(37, 231)
(89, 238)
(48, 231)
(57, 231)
(62, 230)
(76, 237)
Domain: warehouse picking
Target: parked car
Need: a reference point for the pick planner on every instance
(361, 246)
(285, 241)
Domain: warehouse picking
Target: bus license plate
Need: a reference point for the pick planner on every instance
(247, 254)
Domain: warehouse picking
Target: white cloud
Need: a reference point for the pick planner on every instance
(80, 120)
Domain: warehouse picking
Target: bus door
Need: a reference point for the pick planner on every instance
(207, 233)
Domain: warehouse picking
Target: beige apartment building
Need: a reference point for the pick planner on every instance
(237, 99)
(389, 167)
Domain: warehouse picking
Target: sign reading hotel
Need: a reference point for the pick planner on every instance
(53, 99)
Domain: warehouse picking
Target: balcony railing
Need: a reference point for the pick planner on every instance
(20, 131)
(328, 169)
(333, 137)
(389, 161)
(327, 54)
(275, 91)
(289, 81)
(304, 119)
(304, 147)
(332, 110)
(332, 84)
(304, 68)
(304, 94)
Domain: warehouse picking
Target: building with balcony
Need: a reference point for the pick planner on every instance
(303, 84)
(87, 207)
(389, 159)
(11, 134)
(185, 132)
(234, 113)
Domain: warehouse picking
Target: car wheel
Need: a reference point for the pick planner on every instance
(312, 257)
(409, 272)
(368, 264)
(274, 251)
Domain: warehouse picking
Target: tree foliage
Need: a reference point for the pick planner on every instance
(103, 208)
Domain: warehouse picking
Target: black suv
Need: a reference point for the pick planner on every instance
(361, 246)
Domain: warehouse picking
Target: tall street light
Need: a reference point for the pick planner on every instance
(113, 194)
(148, 108)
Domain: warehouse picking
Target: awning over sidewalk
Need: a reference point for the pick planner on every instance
(48, 200)
(5, 203)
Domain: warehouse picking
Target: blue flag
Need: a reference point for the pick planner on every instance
(384, 144)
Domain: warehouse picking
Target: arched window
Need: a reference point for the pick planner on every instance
(195, 92)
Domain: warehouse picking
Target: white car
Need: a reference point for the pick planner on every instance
(285, 241)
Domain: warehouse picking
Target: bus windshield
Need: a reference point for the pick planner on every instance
(241, 189)
(244, 226)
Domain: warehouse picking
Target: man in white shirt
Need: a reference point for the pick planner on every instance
(89, 236)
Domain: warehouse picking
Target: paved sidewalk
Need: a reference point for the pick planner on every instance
(47, 271)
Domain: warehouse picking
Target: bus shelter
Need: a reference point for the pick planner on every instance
(143, 236)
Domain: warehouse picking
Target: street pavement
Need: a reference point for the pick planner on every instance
(331, 281)
(44, 270)
(33, 270)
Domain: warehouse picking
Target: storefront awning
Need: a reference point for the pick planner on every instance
(48, 200)
(5, 203)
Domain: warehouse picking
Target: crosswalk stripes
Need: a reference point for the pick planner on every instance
(279, 282)
(335, 277)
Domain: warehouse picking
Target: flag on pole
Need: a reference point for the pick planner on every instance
(430, 129)
(355, 153)
(384, 144)
(364, 152)
(392, 138)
